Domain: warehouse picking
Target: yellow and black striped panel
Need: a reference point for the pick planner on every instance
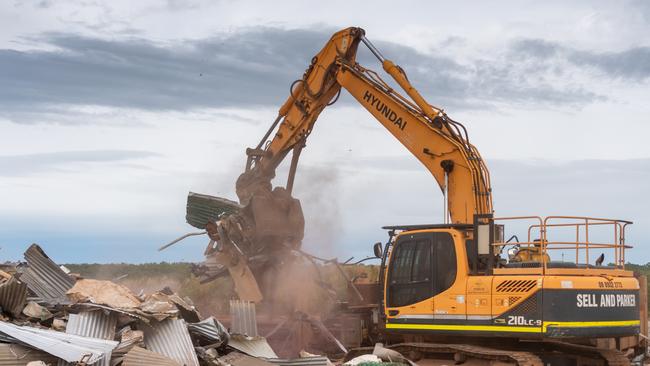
(548, 313)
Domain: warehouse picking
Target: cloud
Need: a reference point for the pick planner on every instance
(630, 64)
(29, 164)
(254, 67)
(398, 190)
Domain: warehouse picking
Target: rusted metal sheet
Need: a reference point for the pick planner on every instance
(244, 318)
(71, 348)
(17, 355)
(252, 346)
(172, 339)
(13, 296)
(44, 277)
(141, 357)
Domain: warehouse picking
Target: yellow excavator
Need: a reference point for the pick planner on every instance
(455, 290)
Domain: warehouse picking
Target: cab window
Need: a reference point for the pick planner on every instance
(410, 279)
(422, 266)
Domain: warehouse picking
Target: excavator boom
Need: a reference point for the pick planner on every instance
(437, 141)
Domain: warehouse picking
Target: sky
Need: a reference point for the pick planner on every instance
(112, 111)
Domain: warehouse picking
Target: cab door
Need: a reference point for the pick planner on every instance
(410, 284)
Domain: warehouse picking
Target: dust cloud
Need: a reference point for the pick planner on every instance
(319, 190)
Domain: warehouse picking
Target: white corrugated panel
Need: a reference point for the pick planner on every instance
(68, 347)
(243, 318)
(93, 324)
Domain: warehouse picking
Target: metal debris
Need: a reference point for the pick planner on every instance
(13, 295)
(68, 347)
(83, 317)
(129, 339)
(19, 355)
(209, 330)
(142, 357)
(43, 277)
(202, 208)
(252, 346)
(244, 318)
(92, 323)
(172, 339)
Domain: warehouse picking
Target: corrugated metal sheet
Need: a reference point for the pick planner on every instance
(13, 295)
(127, 313)
(172, 339)
(202, 208)
(17, 355)
(306, 361)
(256, 347)
(69, 347)
(209, 329)
(244, 318)
(93, 324)
(141, 357)
(44, 277)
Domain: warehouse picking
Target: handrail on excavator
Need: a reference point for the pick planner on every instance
(548, 240)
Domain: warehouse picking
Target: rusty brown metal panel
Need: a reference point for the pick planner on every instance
(17, 355)
(13, 296)
(141, 357)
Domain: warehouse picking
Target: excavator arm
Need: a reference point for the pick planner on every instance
(271, 221)
(438, 142)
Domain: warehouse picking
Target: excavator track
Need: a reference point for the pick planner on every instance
(610, 356)
(477, 352)
(462, 352)
(453, 351)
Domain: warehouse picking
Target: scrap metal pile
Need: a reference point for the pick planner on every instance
(51, 317)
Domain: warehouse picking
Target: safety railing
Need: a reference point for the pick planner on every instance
(568, 234)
